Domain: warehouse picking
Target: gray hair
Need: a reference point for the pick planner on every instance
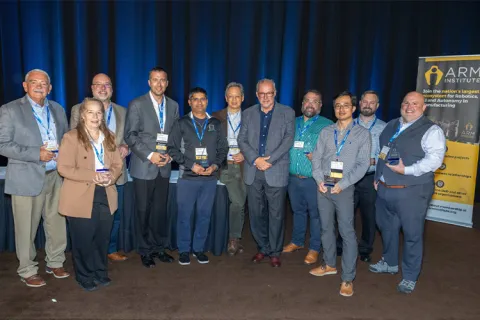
(234, 85)
(37, 70)
(266, 80)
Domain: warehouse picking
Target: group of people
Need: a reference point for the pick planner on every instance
(328, 169)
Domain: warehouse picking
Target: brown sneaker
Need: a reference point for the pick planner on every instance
(291, 248)
(34, 281)
(232, 247)
(346, 289)
(58, 273)
(311, 257)
(323, 271)
(117, 256)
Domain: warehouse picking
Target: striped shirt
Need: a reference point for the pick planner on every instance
(375, 132)
(355, 154)
(299, 163)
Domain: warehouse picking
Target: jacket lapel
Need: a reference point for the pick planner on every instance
(276, 118)
(27, 111)
(118, 138)
(150, 110)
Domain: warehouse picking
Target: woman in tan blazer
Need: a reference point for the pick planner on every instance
(90, 164)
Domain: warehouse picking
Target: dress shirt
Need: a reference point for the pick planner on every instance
(265, 119)
(233, 120)
(375, 132)
(41, 112)
(99, 146)
(156, 107)
(112, 124)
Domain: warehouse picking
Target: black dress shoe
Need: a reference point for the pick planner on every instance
(163, 257)
(147, 261)
(103, 281)
(365, 258)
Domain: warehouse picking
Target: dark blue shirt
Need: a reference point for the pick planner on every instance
(265, 119)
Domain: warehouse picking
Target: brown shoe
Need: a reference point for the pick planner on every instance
(117, 256)
(232, 247)
(311, 257)
(58, 273)
(34, 281)
(291, 248)
(323, 271)
(346, 289)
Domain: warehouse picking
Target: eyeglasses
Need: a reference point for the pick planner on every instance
(266, 94)
(315, 102)
(101, 85)
(342, 106)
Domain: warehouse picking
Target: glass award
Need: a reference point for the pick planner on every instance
(201, 157)
(329, 181)
(393, 156)
(161, 145)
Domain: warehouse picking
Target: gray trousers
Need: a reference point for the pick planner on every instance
(403, 208)
(27, 212)
(341, 204)
(231, 176)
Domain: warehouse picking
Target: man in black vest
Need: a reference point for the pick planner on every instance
(412, 148)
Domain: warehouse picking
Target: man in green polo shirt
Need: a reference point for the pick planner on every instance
(302, 188)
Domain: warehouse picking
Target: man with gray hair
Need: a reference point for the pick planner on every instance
(231, 169)
(31, 129)
(265, 137)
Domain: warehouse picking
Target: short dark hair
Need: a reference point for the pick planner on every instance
(314, 91)
(370, 92)
(345, 93)
(197, 90)
(156, 69)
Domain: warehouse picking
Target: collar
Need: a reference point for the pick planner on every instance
(155, 103)
(350, 126)
(365, 123)
(35, 105)
(101, 137)
(190, 114)
(409, 123)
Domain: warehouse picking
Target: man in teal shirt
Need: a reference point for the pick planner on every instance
(302, 188)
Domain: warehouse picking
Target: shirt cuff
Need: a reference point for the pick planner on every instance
(149, 157)
(409, 171)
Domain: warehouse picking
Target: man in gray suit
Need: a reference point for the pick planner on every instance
(30, 130)
(266, 136)
(150, 119)
(115, 119)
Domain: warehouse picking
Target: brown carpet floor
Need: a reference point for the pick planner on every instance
(234, 288)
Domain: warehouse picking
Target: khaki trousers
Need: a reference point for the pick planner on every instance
(27, 212)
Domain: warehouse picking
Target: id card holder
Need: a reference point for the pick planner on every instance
(298, 144)
(102, 170)
(384, 152)
(161, 146)
(336, 169)
(328, 181)
(233, 149)
(201, 157)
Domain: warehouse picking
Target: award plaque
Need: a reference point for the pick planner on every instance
(393, 156)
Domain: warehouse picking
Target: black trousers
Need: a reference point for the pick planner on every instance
(266, 208)
(90, 240)
(151, 225)
(365, 197)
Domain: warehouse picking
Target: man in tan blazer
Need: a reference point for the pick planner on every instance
(102, 89)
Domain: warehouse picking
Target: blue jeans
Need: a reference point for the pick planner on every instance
(303, 198)
(191, 195)
(117, 217)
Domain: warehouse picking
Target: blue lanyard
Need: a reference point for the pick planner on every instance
(231, 126)
(369, 129)
(397, 133)
(161, 109)
(41, 122)
(98, 154)
(109, 116)
(200, 137)
(305, 128)
(343, 141)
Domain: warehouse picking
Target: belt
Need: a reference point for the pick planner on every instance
(299, 176)
(230, 162)
(370, 173)
(392, 186)
(50, 171)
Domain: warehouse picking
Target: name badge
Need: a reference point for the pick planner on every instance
(298, 144)
(52, 145)
(102, 170)
(384, 152)
(336, 169)
(232, 152)
(162, 138)
(201, 156)
(232, 143)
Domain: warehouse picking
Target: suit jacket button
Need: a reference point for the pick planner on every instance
(88, 184)
(84, 157)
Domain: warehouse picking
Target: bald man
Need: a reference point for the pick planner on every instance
(411, 149)
(102, 89)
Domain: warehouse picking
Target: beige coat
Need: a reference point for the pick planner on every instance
(77, 166)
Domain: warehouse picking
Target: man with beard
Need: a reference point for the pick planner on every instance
(150, 119)
(412, 149)
(102, 89)
(301, 185)
(365, 193)
(340, 159)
